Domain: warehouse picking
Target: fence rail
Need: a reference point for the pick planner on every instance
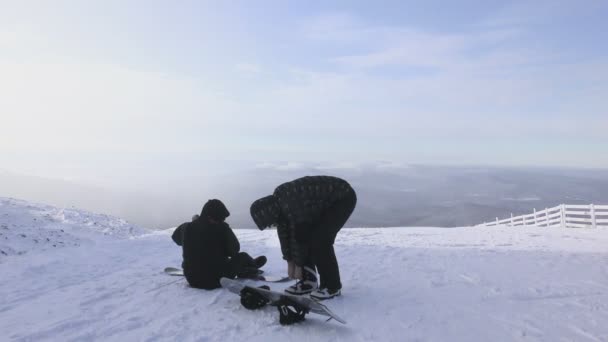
(564, 216)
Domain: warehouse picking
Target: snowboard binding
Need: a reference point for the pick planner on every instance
(253, 300)
(290, 312)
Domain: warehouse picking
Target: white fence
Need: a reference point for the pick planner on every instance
(564, 216)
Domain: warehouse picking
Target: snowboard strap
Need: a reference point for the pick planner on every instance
(253, 300)
(312, 271)
(290, 312)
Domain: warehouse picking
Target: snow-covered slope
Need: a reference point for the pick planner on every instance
(27, 227)
(403, 284)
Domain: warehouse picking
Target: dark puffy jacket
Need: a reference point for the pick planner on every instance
(213, 209)
(298, 208)
(206, 248)
(178, 234)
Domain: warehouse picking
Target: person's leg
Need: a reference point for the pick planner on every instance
(325, 259)
(309, 271)
(308, 283)
(259, 261)
(322, 249)
(244, 260)
(240, 265)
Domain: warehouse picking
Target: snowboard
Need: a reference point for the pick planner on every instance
(174, 271)
(260, 277)
(274, 297)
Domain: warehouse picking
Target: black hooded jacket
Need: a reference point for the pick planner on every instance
(207, 244)
(299, 208)
(207, 248)
(178, 234)
(213, 209)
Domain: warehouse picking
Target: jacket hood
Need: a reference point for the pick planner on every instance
(215, 210)
(265, 212)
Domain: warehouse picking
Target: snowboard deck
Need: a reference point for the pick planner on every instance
(274, 297)
(173, 271)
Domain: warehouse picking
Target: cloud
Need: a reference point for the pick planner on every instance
(248, 68)
(392, 165)
(282, 166)
(334, 27)
(521, 12)
(7, 39)
(338, 165)
(354, 90)
(413, 48)
(441, 84)
(380, 46)
(85, 106)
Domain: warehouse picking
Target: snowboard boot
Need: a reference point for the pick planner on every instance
(325, 293)
(306, 285)
(259, 261)
(249, 272)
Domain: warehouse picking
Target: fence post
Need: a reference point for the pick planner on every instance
(497, 221)
(562, 209)
(523, 220)
(511, 219)
(593, 221)
(535, 221)
(547, 217)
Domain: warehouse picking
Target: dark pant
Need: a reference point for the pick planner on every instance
(239, 265)
(209, 279)
(321, 246)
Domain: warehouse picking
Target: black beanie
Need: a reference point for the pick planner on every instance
(215, 210)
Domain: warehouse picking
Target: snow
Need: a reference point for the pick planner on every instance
(105, 282)
(26, 227)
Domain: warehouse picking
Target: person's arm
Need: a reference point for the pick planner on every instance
(232, 245)
(178, 234)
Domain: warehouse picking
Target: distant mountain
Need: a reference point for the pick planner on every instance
(388, 194)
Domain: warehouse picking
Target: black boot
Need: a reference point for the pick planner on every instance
(259, 261)
(248, 272)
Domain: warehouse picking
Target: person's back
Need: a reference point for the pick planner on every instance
(207, 246)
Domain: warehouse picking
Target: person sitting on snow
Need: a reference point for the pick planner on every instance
(211, 250)
(308, 213)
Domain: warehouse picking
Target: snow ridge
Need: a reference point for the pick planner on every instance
(27, 227)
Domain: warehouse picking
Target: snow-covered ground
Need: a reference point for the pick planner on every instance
(27, 227)
(99, 278)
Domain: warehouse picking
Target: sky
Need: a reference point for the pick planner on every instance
(119, 90)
